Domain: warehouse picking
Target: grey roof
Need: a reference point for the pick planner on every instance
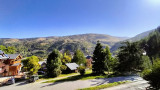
(72, 66)
(12, 56)
(41, 62)
(3, 56)
(16, 64)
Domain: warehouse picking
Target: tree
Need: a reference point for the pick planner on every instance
(109, 60)
(147, 64)
(153, 75)
(3, 48)
(54, 64)
(79, 57)
(151, 44)
(31, 65)
(98, 60)
(66, 59)
(8, 50)
(68, 53)
(130, 58)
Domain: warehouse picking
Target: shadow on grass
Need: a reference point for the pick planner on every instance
(97, 79)
(113, 79)
(78, 77)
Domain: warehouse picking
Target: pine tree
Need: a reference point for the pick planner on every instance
(98, 60)
(109, 61)
(130, 58)
(54, 64)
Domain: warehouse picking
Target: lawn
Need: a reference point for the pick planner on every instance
(87, 76)
(62, 75)
(104, 86)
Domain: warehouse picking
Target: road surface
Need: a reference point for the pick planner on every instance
(70, 85)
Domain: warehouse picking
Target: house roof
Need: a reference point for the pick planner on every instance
(41, 62)
(16, 64)
(13, 56)
(3, 56)
(72, 66)
(88, 57)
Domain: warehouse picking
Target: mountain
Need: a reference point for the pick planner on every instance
(140, 36)
(133, 39)
(42, 46)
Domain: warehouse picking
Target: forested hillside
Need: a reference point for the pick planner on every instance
(133, 39)
(151, 44)
(43, 46)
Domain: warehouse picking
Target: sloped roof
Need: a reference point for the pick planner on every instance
(13, 56)
(17, 64)
(72, 66)
(41, 62)
(88, 57)
(3, 57)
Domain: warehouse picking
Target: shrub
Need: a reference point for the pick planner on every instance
(153, 75)
(81, 69)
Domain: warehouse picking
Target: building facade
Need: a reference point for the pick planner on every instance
(10, 64)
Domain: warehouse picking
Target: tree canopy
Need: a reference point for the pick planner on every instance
(98, 60)
(109, 60)
(153, 75)
(151, 44)
(79, 57)
(54, 64)
(130, 57)
(8, 50)
(31, 65)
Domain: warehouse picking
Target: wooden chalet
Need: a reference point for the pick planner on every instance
(10, 64)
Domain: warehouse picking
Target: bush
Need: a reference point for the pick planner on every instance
(63, 67)
(81, 69)
(153, 75)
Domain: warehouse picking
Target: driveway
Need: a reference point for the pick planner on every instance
(70, 85)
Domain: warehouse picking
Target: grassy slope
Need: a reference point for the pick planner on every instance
(87, 76)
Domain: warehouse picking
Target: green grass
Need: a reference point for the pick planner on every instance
(62, 75)
(104, 86)
(87, 76)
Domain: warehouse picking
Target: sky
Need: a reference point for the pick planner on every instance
(42, 18)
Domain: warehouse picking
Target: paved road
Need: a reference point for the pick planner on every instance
(70, 85)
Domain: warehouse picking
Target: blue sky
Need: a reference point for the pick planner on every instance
(41, 18)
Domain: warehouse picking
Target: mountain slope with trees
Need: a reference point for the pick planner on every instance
(133, 39)
(44, 45)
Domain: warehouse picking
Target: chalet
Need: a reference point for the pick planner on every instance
(89, 61)
(72, 67)
(10, 64)
(3, 67)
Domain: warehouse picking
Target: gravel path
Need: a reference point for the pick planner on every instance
(70, 85)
